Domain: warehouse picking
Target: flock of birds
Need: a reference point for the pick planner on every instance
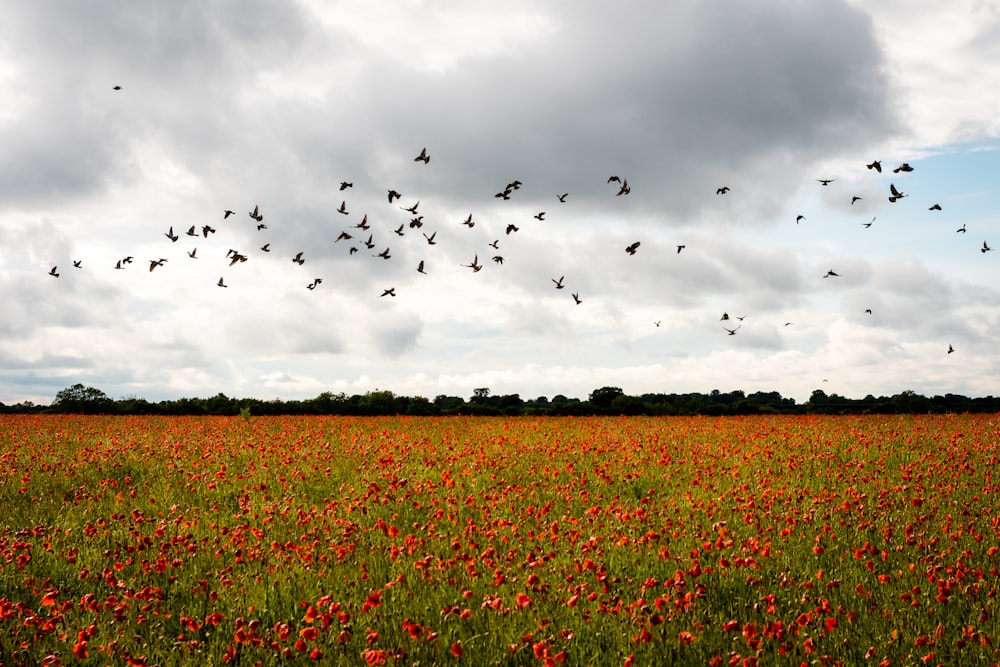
(360, 235)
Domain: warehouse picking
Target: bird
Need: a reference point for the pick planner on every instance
(631, 248)
(256, 214)
(514, 185)
(153, 263)
(193, 253)
(266, 247)
(799, 218)
(739, 317)
(353, 250)
(950, 349)
(495, 245)
(876, 165)
(343, 207)
(512, 228)
(475, 266)
(314, 283)
(503, 194)
(237, 257)
(732, 332)
(788, 324)
(399, 230)
(53, 272)
(384, 254)
(854, 199)
(343, 236)
(420, 267)
(423, 157)
(830, 273)
(221, 283)
(170, 235)
(576, 298)
(559, 282)
(78, 263)
(118, 265)
(417, 222)
(894, 194)
(363, 224)
(679, 248)
(498, 259)
(344, 185)
(206, 230)
(725, 316)
(191, 231)
(625, 189)
(869, 223)
(393, 195)
(469, 222)
(614, 179)
(116, 87)
(961, 229)
(411, 209)
(261, 226)
(389, 292)
(368, 243)
(985, 248)
(127, 260)
(903, 167)
(935, 207)
(430, 239)
(825, 181)
(540, 215)
(657, 322)
(298, 259)
(562, 197)
(723, 190)
(227, 213)
(868, 311)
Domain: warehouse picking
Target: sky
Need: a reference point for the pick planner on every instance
(267, 104)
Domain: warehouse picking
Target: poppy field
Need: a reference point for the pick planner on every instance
(499, 541)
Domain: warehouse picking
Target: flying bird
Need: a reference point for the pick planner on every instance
(53, 272)
(950, 349)
(206, 230)
(625, 189)
(411, 209)
(469, 222)
(732, 332)
(423, 157)
(420, 267)
(657, 322)
(261, 226)
(170, 235)
(876, 165)
(221, 283)
(854, 199)
(430, 239)
(799, 218)
(498, 259)
(559, 282)
(495, 244)
(868, 311)
(903, 167)
(475, 266)
(78, 263)
(343, 207)
(725, 316)
(868, 224)
(116, 87)
(825, 181)
(399, 230)
(679, 248)
(503, 194)
(417, 222)
(562, 197)
(614, 179)
(314, 283)
(237, 257)
(153, 263)
(894, 194)
(193, 253)
(830, 273)
(298, 259)
(368, 243)
(227, 213)
(266, 247)
(985, 248)
(255, 214)
(389, 292)
(935, 207)
(540, 216)
(723, 190)
(384, 254)
(191, 231)
(344, 185)
(576, 298)
(961, 229)
(630, 249)
(119, 266)
(363, 224)
(393, 195)
(512, 228)
(343, 237)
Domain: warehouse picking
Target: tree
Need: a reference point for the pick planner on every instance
(87, 400)
(480, 395)
(603, 398)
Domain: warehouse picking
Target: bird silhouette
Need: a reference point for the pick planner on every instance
(193, 253)
(399, 230)
(985, 248)
(854, 199)
(417, 222)
(894, 193)
(393, 195)
(343, 236)
(363, 224)
(830, 273)
(868, 311)
(411, 209)
(227, 213)
(430, 239)
(170, 235)
(935, 207)
(78, 263)
(255, 214)
(679, 248)
(562, 197)
(191, 231)
(723, 190)
(540, 216)
(424, 157)
(475, 266)
(298, 259)
(261, 226)
(903, 167)
(725, 316)
(576, 298)
(221, 283)
(503, 194)
(868, 224)
(559, 282)
(343, 207)
(495, 244)
(389, 292)
(799, 218)
(825, 181)
(876, 165)
(384, 254)
(498, 259)
(631, 248)
(512, 228)
(153, 263)
(614, 179)
(206, 230)
(314, 283)
(732, 332)
(420, 267)
(657, 322)
(625, 189)
(116, 87)
(53, 272)
(368, 243)
(469, 222)
(950, 349)
(344, 185)
(266, 247)
(961, 229)
(118, 265)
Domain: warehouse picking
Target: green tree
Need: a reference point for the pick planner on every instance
(86, 400)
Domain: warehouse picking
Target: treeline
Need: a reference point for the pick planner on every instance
(79, 399)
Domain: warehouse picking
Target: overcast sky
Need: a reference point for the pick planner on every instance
(237, 104)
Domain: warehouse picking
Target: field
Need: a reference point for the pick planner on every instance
(499, 541)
